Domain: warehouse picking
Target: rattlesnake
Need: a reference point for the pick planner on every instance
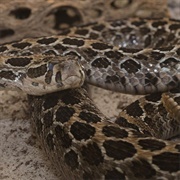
(92, 146)
(139, 70)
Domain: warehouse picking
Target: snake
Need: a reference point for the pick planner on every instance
(128, 56)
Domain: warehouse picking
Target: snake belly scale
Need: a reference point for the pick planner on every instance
(81, 141)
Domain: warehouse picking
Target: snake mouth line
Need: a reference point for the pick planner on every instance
(74, 81)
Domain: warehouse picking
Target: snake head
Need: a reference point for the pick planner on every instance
(52, 73)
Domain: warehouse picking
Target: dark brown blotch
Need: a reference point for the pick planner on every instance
(144, 30)
(63, 114)
(159, 23)
(151, 144)
(98, 27)
(138, 23)
(13, 52)
(169, 48)
(141, 57)
(174, 26)
(100, 46)
(50, 100)
(48, 119)
(150, 79)
(119, 150)
(124, 123)
(111, 131)
(70, 99)
(65, 32)
(92, 154)
(167, 161)
(7, 75)
(149, 121)
(117, 23)
(93, 35)
(114, 174)
(170, 37)
(3, 48)
(73, 42)
(157, 55)
(47, 41)
(159, 32)
(82, 32)
(130, 50)
(170, 62)
(82, 131)
(19, 62)
(153, 97)
(21, 45)
(71, 159)
(142, 169)
(162, 111)
(90, 52)
(90, 108)
(37, 71)
(114, 54)
(60, 47)
(50, 52)
(62, 138)
(130, 66)
(89, 117)
(126, 30)
(149, 108)
(101, 63)
(134, 109)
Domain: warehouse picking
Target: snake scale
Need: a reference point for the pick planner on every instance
(129, 56)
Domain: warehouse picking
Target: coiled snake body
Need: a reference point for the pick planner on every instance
(81, 141)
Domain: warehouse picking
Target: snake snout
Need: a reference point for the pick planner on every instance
(72, 74)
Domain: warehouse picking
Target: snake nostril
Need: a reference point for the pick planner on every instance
(21, 13)
(116, 4)
(65, 17)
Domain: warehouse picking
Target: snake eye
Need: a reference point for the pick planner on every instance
(58, 78)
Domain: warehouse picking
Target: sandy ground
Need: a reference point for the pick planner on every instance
(21, 157)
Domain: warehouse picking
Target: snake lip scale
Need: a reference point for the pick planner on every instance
(81, 142)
